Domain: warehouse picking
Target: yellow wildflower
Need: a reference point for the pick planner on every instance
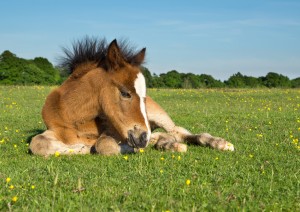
(32, 187)
(259, 135)
(251, 156)
(142, 150)
(14, 199)
(295, 141)
(179, 158)
(8, 179)
(188, 182)
(11, 187)
(56, 154)
(162, 158)
(125, 157)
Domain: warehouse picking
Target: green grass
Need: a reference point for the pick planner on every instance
(262, 174)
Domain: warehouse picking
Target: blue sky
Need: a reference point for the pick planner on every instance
(219, 38)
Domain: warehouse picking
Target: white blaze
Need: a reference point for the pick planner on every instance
(140, 88)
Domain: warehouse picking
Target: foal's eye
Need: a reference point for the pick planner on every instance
(125, 94)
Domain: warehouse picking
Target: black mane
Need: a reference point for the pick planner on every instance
(91, 49)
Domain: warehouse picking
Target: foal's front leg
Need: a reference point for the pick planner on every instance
(173, 140)
(165, 141)
(107, 145)
(175, 134)
(203, 139)
(206, 139)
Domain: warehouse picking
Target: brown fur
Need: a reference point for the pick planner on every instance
(97, 107)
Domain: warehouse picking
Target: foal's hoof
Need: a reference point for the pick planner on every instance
(179, 147)
(228, 146)
(215, 142)
(221, 144)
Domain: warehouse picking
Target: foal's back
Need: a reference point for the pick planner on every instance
(72, 109)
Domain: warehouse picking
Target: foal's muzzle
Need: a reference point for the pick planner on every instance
(137, 139)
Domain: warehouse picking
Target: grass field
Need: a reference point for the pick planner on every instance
(262, 174)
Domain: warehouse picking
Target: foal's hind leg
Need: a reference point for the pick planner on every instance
(159, 118)
(47, 144)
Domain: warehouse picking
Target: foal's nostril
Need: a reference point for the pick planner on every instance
(143, 136)
(131, 139)
(143, 140)
(137, 140)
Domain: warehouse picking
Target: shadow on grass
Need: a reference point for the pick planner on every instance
(33, 133)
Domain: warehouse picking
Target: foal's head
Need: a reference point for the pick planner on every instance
(123, 99)
(119, 86)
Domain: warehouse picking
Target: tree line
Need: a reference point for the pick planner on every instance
(19, 71)
(174, 79)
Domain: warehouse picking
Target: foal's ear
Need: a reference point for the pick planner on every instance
(114, 57)
(139, 58)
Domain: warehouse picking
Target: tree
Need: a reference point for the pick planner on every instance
(18, 71)
(190, 80)
(148, 77)
(272, 80)
(186, 84)
(50, 73)
(9, 67)
(252, 82)
(207, 81)
(296, 83)
(6, 55)
(158, 82)
(236, 81)
(172, 79)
